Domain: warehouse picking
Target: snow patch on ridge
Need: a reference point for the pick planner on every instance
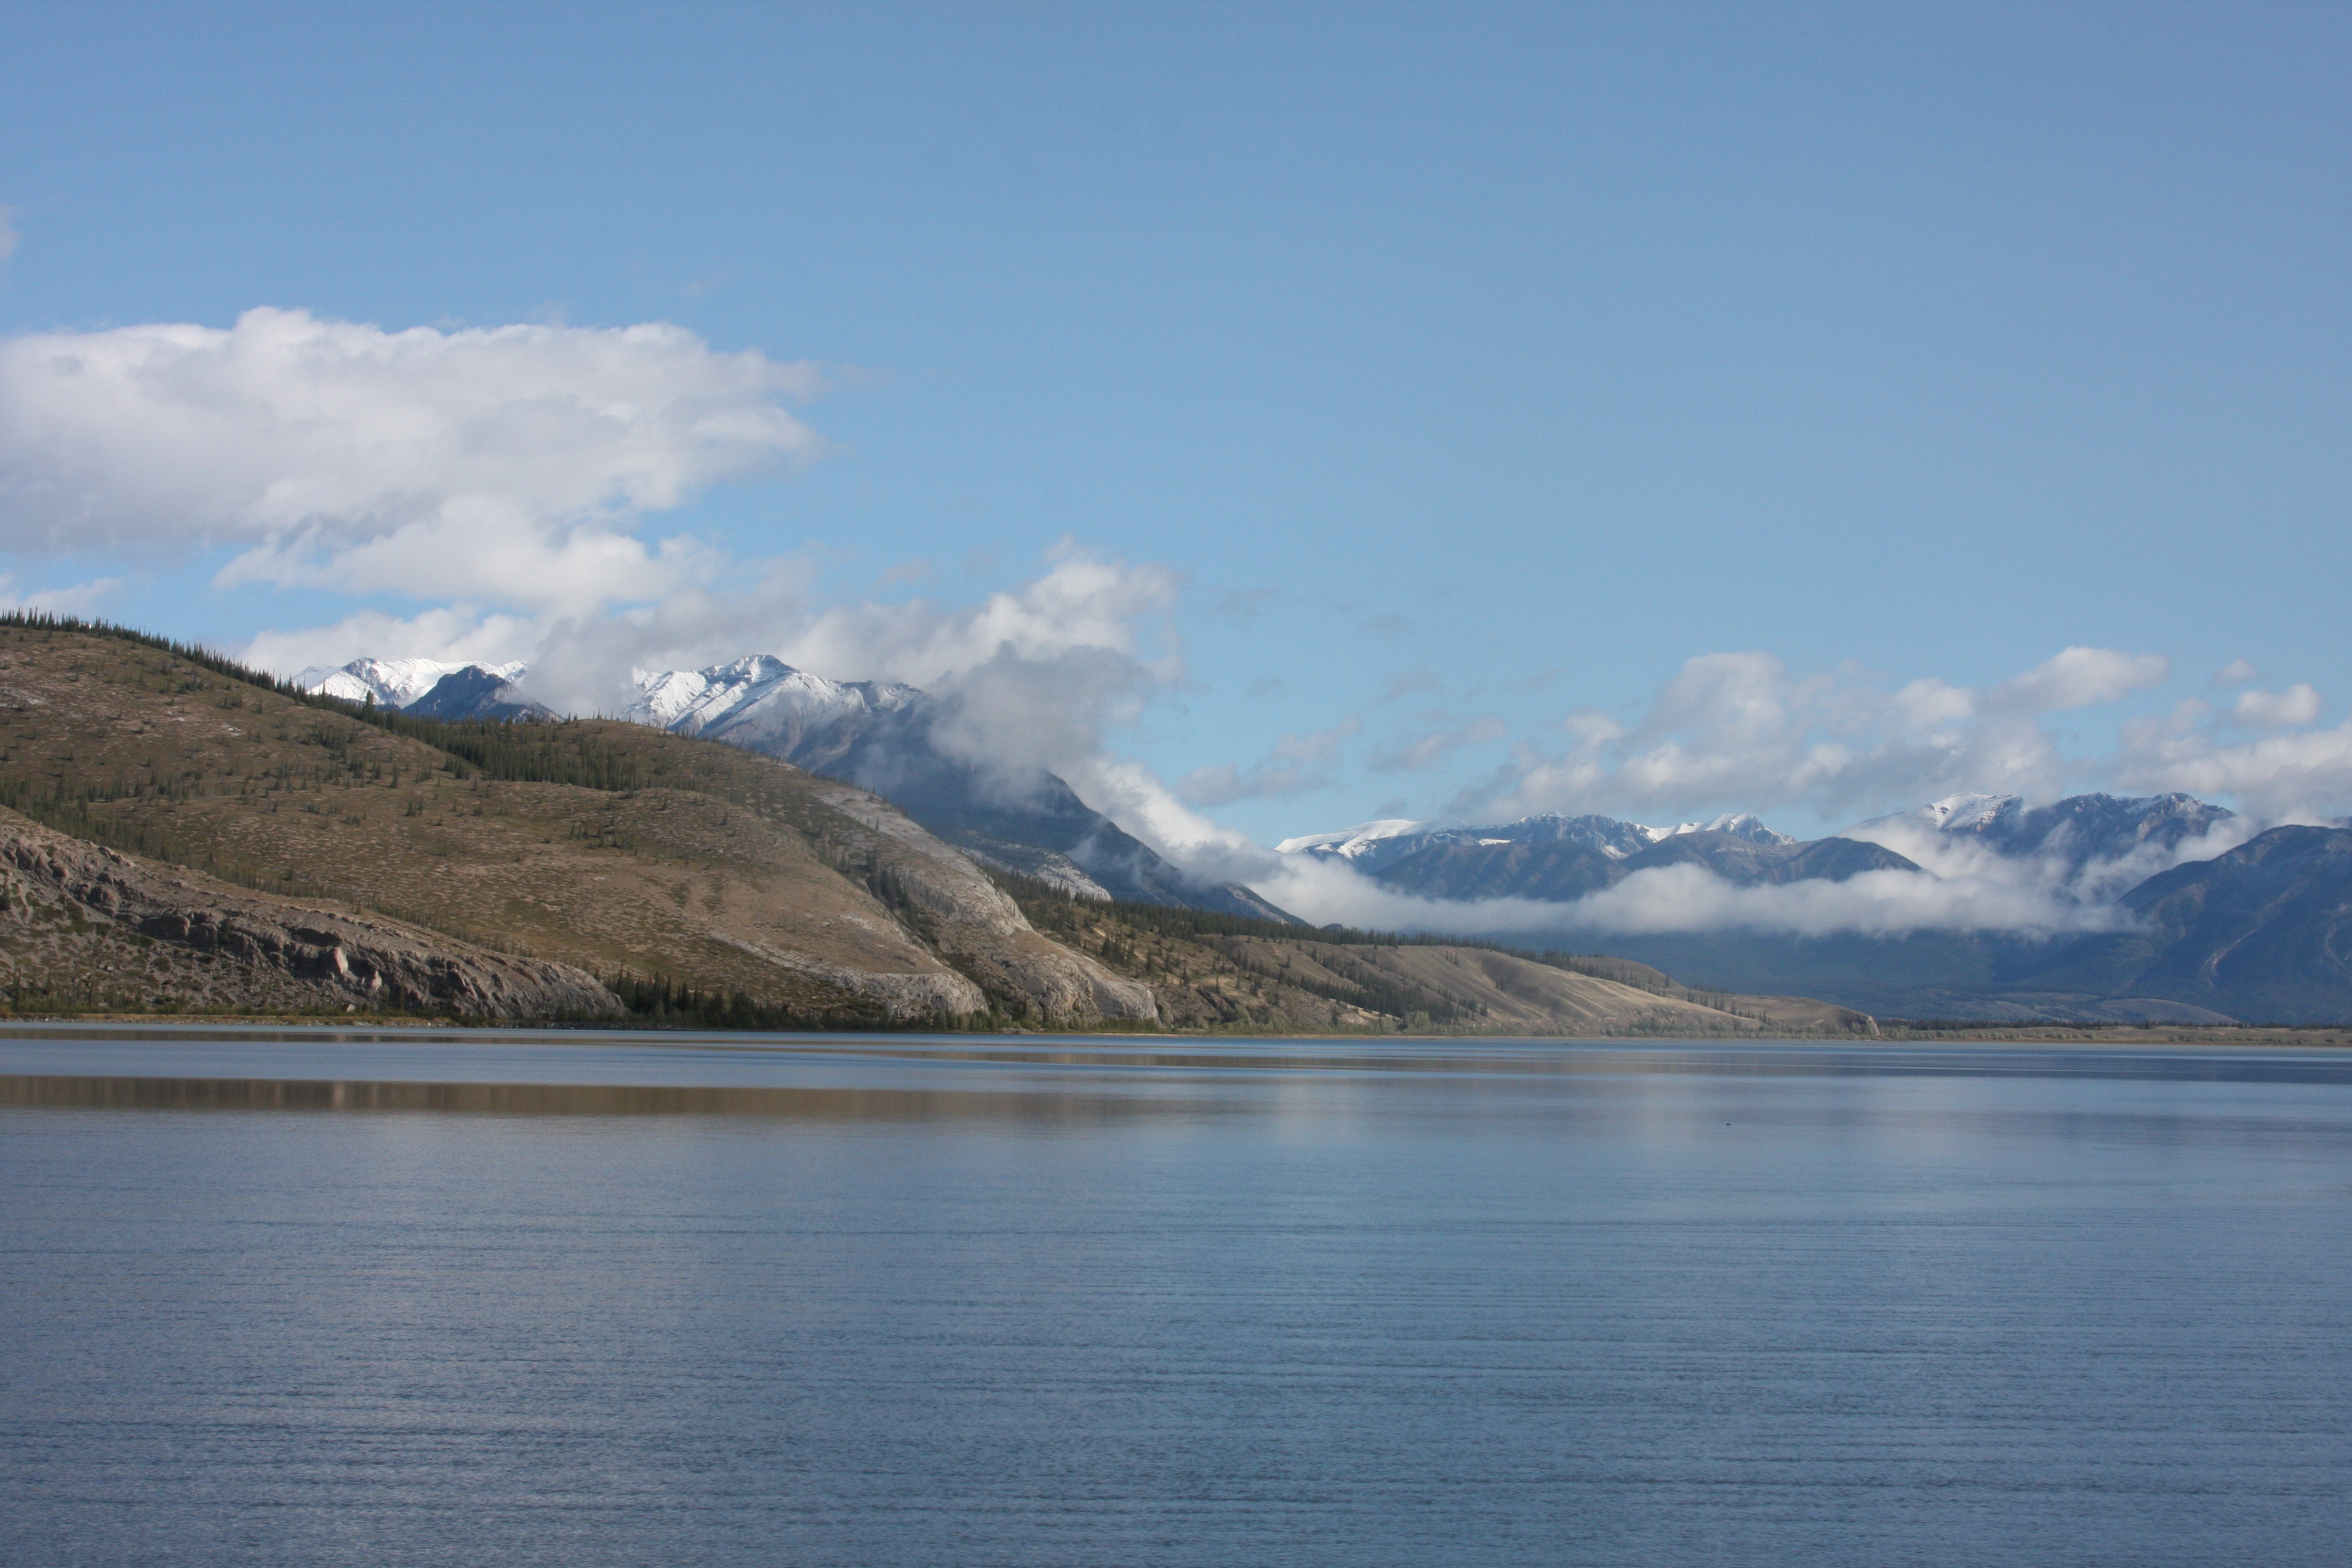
(1350, 842)
(393, 682)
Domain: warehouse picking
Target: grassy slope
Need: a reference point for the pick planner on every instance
(715, 854)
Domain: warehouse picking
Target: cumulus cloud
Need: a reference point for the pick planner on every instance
(2298, 704)
(2237, 672)
(78, 599)
(509, 463)
(2301, 775)
(1741, 730)
(2081, 677)
(454, 633)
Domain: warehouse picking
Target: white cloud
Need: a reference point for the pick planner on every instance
(2050, 876)
(1683, 899)
(78, 599)
(2304, 775)
(8, 235)
(1083, 603)
(506, 463)
(1740, 731)
(2081, 677)
(2237, 672)
(454, 633)
(2298, 704)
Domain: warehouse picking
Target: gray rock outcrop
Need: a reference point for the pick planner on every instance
(374, 962)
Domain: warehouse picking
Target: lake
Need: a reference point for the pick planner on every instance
(447, 1297)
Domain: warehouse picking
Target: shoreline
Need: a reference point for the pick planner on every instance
(2337, 1037)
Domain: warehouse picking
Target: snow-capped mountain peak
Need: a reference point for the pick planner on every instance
(1348, 843)
(392, 682)
(1967, 813)
(1738, 824)
(760, 692)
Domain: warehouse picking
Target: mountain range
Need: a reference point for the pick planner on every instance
(1559, 859)
(2249, 933)
(880, 736)
(2262, 932)
(2258, 930)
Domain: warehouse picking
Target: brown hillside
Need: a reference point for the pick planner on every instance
(689, 860)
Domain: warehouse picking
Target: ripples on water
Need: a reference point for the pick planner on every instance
(335, 1298)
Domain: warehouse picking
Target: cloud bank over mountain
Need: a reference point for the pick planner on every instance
(1741, 728)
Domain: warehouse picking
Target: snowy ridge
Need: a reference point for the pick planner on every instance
(2079, 830)
(1966, 813)
(1739, 825)
(758, 687)
(1371, 844)
(1349, 843)
(392, 682)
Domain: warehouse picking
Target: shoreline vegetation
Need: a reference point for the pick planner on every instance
(1891, 1031)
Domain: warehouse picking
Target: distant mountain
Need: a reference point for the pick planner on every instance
(882, 737)
(2075, 831)
(1372, 847)
(392, 682)
(1735, 825)
(1557, 873)
(1560, 871)
(764, 704)
(427, 688)
(474, 693)
(2260, 934)
(1560, 859)
(2263, 932)
(1364, 846)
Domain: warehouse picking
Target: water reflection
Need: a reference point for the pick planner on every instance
(813, 1104)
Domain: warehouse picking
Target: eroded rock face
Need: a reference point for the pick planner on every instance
(974, 922)
(904, 997)
(373, 961)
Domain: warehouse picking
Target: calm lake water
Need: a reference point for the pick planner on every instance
(583, 1300)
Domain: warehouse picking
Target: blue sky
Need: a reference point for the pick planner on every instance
(1425, 385)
